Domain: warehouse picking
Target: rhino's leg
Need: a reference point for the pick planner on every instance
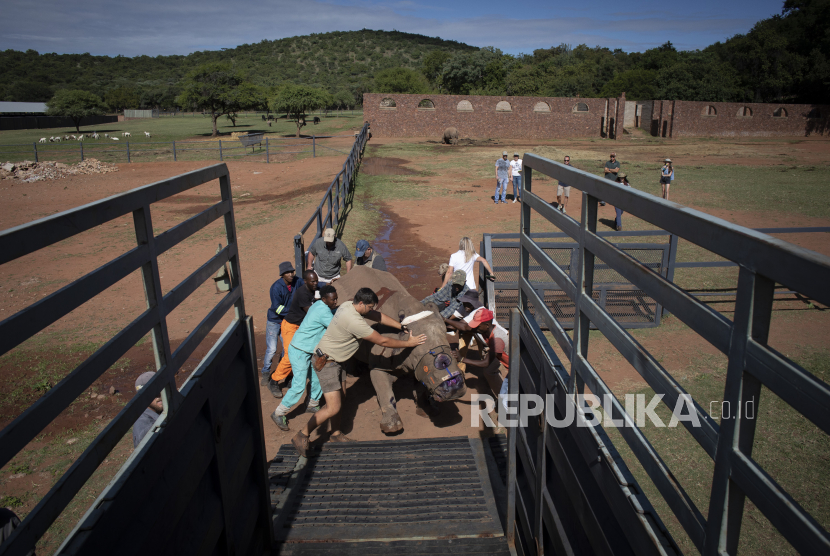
(382, 381)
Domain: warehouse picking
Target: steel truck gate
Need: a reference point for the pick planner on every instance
(197, 483)
(569, 490)
(630, 306)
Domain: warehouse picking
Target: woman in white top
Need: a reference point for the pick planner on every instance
(465, 259)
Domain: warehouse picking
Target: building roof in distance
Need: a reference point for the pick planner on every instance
(22, 107)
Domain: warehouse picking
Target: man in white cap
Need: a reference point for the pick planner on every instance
(147, 419)
(502, 177)
(325, 256)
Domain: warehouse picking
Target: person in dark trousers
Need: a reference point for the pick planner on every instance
(622, 180)
(8, 523)
(366, 256)
(612, 167)
(281, 293)
(302, 300)
(147, 419)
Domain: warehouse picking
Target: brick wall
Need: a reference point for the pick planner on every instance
(689, 119)
(406, 119)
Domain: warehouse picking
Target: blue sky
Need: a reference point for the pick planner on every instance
(154, 27)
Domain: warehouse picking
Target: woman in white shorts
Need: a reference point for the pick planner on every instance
(465, 259)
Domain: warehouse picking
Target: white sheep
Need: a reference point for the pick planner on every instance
(57, 139)
(66, 137)
(42, 140)
(95, 135)
(107, 135)
(147, 133)
(81, 138)
(114, 138)
(126, 134)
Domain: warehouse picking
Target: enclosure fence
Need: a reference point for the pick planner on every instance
(334, 199)
(106, 150)
(208, 442)
(569, 489)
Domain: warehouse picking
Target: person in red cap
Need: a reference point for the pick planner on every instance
(483, 327)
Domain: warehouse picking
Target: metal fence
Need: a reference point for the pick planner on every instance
(334, 200)
(197, 482)
(144, 151)
(570, 491)
(150, 113)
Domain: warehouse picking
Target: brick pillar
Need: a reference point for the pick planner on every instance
(671, 122)
(620, 117)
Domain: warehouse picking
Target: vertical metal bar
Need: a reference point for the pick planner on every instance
(267, 153)
(584, 290)
(513, 432)
(524, 255)
(299, 253)
(34, 146)
(313, 146)
(490, 287)
(335, 197)
(541, 461)
(174, 151)
(220, 150)
(230, 234)
(128, 152)
(154, 297)
(721, 531)
(82, 150)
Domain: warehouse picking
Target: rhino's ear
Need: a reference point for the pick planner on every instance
(434, 308)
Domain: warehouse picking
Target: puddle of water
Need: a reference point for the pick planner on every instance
(386, 167)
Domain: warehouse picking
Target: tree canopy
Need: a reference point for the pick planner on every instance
(298, 100)
(76, 105)
(400, 80)
(220, 90)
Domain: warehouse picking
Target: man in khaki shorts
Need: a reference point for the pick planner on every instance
(562, 188)
(339, 343)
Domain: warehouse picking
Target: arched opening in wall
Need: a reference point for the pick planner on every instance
(744, 112)
(709, 110)
(580, 107)
(504, 106)
(388, 104)
(814, 113)
(542, 107)
(780, 113)
(464, 106)
(426, 104)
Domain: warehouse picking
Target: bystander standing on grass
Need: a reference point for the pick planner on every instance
(666, 177)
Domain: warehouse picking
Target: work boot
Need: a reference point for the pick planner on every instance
(391, 422)
(300, 442)
(280, 420)
(340, 438)
(264, 378)
(276, 389)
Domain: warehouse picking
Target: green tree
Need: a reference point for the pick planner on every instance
(121, 98)
(75, 105)
(433, 64)
(400, 80)
(343, 99)
(297, 100)
(637, 84)
(214, 87)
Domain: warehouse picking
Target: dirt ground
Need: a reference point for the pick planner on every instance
(272, 202)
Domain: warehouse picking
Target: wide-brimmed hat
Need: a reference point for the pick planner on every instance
(459, 277)
(286, 267)
(622, 176)
(667, 160)
(328, 235)
(471, 297)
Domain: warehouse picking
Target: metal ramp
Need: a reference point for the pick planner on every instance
(431, 496)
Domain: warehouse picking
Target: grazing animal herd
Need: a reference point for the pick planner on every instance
(82, 136)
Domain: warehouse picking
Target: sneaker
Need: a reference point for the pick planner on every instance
(264, 378)
(312, 408)
(300, 442)
(514, 200)
(275, 388)
(602, 203)
(564, 211)
(619, 228)
(280, 420)
(340, 438)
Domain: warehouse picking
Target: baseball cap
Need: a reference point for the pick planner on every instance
(471, 297)
(443, 269)
(328, 235)
(515, 154)
(286, 267)
(361, 247)
(143, 379)
(504, 153)
(482, 315)
(459, 277)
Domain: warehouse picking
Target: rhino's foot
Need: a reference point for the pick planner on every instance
(426, 406)
(391, 422)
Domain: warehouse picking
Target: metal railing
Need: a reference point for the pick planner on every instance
(126, 151)
(569, 489)
(179, 407)
(334, 199)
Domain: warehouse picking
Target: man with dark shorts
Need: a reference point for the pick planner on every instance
(612, 167)
(339, 343)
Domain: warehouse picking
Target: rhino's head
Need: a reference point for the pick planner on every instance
(438, 371)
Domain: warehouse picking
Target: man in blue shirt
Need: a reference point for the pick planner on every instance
(147, 419)
(302, 345)
(281, 293)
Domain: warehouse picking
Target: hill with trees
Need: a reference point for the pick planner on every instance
(785, 58)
